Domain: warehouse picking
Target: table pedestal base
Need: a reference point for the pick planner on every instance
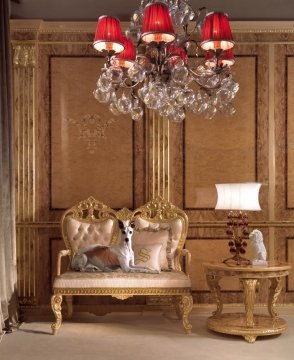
(235, 324)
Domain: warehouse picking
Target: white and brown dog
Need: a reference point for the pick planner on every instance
(108, 258)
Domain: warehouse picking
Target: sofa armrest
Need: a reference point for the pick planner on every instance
(60, 255)
(187, 260)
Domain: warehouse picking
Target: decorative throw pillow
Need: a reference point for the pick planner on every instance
(169, 234)
(147, 255)
(149, 237)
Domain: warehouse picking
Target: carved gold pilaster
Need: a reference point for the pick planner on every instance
(24, 55)
(24, 86)
(158, 152)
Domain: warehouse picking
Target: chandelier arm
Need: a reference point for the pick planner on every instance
(125, 85)
(197, 22)
(162, 55)
(205, 87)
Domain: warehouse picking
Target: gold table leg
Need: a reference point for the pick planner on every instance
(213, 283)
(249, 286)
(275, 290)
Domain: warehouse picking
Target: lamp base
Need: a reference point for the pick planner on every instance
(236, 260)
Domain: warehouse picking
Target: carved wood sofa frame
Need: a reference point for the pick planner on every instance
(175, 284)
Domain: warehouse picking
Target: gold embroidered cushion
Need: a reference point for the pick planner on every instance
(173, 232)
(152, 238)
(147, 255)
(81, 234)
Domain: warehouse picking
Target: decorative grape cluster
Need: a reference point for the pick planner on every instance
(238, 229)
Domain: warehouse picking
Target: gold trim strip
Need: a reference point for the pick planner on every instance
(122, 291)
(29, 261)
(207, 224)
(17, 103)
(87, 43)
(41, 26)
(271, 149)
(158, 154)
(163, 157)
(168, 160)
(23, 263)
(153, 155)
(17, 257)
(38, 224)
(204, 224)
(34, 210)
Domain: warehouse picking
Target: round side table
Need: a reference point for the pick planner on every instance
(247, 324)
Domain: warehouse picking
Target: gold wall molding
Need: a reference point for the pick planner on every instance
(27, 241)
(192, 224)
(262, 27)
(40, 224)
(158, 154)
(271, 151)
(24, 88)
(86, 27)
(264, 224)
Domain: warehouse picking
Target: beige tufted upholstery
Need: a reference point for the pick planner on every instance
(81, 233)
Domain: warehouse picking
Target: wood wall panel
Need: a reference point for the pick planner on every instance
(284, 71)
(290, 259)
(207, 250)
(223, 149)
(82, 148)
(290, 131)
(90, 147)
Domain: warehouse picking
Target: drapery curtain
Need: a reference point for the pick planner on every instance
(8, 275)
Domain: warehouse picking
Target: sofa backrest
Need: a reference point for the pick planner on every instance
(159, 221)
(87, 223)
(158, 225)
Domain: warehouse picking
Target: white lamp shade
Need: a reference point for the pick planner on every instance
(241, 196)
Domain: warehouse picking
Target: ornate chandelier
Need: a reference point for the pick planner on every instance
(156, 66)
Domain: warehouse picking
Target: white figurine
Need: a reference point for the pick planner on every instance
(258, 248)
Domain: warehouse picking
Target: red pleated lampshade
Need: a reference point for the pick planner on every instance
(108, 35)
(226, 58)
(157, 24)
(127, 57)
(216, 32)
(176, 50)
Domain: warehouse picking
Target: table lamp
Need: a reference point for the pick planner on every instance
(237, 198)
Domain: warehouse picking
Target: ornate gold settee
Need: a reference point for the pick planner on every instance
(159, 237)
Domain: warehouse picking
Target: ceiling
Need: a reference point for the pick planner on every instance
(90, 10)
